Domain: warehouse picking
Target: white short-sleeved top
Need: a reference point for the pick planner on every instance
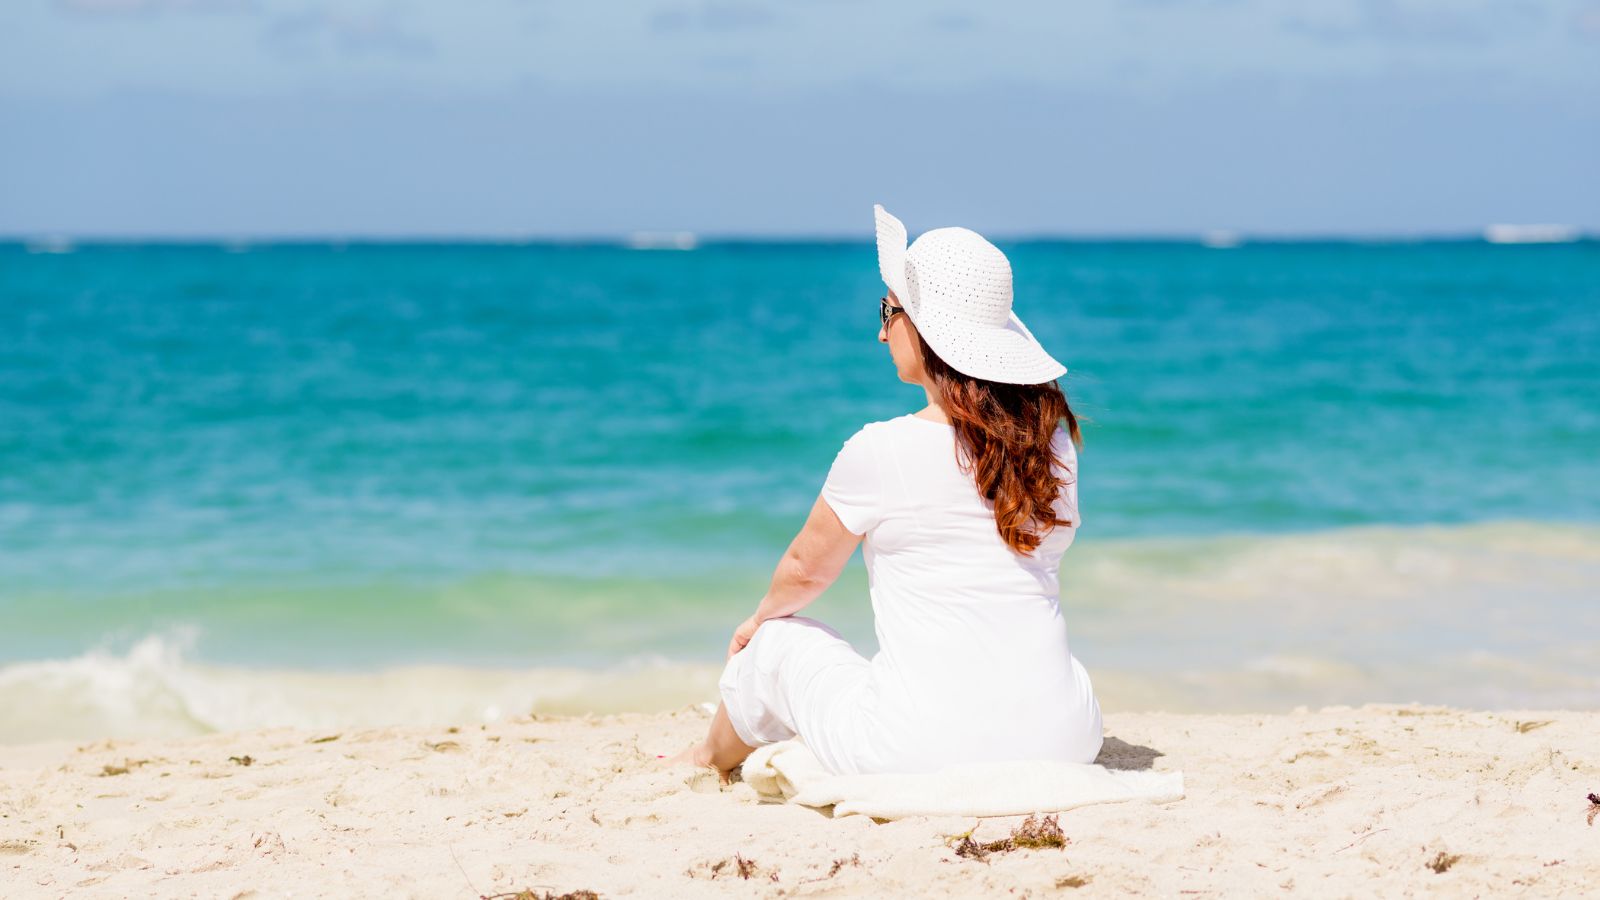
(973, 655)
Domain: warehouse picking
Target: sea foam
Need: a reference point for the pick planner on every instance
(1490, 615)
(155, 689)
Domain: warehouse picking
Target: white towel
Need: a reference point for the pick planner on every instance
(789, 771)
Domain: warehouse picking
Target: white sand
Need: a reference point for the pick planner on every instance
(1340, 802)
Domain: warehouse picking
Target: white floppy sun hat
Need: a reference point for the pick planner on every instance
(956, 287)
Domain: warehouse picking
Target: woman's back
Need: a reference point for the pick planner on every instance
(973, 659)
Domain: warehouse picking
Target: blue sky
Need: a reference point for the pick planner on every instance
(530, 117)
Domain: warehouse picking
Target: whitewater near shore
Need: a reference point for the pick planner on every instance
(1341, 801)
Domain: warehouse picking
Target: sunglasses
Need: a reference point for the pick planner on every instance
(886, 309)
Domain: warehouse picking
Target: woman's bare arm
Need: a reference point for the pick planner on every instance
(813, 561)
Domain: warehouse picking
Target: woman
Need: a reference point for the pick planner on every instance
(966, 507)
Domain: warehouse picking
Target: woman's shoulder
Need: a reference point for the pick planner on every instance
(1060, 442)
(886, 437)
(911, 422)
(878, 426)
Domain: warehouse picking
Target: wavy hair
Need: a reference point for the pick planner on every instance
(1004, 434)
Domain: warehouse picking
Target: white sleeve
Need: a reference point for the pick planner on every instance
(853, 487)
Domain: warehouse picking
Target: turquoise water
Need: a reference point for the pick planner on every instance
(536, 459)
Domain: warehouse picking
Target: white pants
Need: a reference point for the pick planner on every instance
(798, 676)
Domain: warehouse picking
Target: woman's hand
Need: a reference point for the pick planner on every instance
(742, 635)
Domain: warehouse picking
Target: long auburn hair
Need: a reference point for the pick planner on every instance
(1003, 439)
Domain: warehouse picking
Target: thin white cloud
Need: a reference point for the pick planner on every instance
(716, 15)
(1147, 48)
(380, 31)
(153, 7)
(954, 21)
(1419, 21)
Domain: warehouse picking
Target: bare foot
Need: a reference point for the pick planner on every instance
(690, 756)
(697, 756)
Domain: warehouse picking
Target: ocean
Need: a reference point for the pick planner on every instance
(341, 484)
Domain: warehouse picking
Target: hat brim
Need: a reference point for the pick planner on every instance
(1008, 355)
(891, 250)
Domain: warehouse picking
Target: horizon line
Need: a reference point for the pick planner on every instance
(685, 239)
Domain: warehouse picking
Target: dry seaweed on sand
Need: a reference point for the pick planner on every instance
(1594, 807)
(1034, 833)
(853, 859)
(128, 765)
(734, 865)
(546, 895)
(1441, 864)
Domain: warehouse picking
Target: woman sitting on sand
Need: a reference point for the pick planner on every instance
(966, 507)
